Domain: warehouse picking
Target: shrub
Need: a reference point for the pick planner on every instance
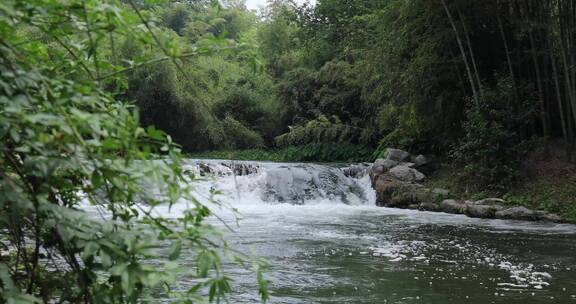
(491, 149)
(239, 136)
(67, 145)
(307, 153)
(241, 103)
(320, 130)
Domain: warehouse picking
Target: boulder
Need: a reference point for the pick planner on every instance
(424, 195)
(357, 171)
(549, 217)
(396, 155)
(382, 166)
(480, 211)
(485, 208)
(452, 206)
(385, 187)
(420, 160)
(517, 213)
(428, 207)
(391, 192)
(490, 201)
(407, 174)
(204, 169)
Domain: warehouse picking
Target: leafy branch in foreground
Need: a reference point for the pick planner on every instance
(81, 182)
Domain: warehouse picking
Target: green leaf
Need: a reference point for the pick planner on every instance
(175, 250)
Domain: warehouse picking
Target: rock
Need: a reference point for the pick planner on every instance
(204, 169)
(357, 171)
(385, 187)
(396, 184)
(485, 208)
(452, 206)
(424, 195)
(428, 207)
(480, 211)
(396, 155)
(549, 217)
(407, 174)
(517, 213)
(420, 160)
(382, 166)
(490, 201)
(391, 192)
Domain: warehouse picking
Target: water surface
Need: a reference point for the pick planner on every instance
(329, 243)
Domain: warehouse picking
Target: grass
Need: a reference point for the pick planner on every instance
(305, 153)
(546, 190)
(548, 194)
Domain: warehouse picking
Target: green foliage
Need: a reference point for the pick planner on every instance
(310, 97)
(218, 99)
(248, 101)
(241, 103)
(491, 149)
(239, 136)
(338, 93)
(296, 92)
(176, 17)
(278, 37)
(165, 102)
(328, 153)
(546, 201)
(377, 65)
(410, 81)
(307, 153)
(392, 71)
(320, 130)
(549, 192)
(68, 146)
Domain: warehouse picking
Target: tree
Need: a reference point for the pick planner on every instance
(68, 145)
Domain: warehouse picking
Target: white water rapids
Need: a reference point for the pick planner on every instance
(327, 242)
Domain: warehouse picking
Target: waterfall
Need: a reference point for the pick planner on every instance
(292, 183)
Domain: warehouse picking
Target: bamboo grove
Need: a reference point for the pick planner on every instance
(538, 42)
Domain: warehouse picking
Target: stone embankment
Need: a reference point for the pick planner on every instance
(397, 179)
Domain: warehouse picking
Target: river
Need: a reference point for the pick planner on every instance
(327, 242)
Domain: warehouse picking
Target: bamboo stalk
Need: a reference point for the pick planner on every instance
(462, 52)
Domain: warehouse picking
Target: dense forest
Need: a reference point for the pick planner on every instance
(481, 83)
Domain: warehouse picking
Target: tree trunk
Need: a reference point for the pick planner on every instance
(508, 59)
(471, 51)
(559, 99)
(567, 75)
(534, 52)
(462, 51)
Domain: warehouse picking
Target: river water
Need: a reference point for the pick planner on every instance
(327, 242)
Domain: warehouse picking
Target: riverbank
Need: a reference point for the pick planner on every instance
(545, 183)
(323, 249)
(544, 190)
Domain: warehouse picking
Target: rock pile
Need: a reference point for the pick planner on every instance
(397, 177)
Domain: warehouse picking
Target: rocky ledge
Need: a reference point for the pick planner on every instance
(397, 180)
